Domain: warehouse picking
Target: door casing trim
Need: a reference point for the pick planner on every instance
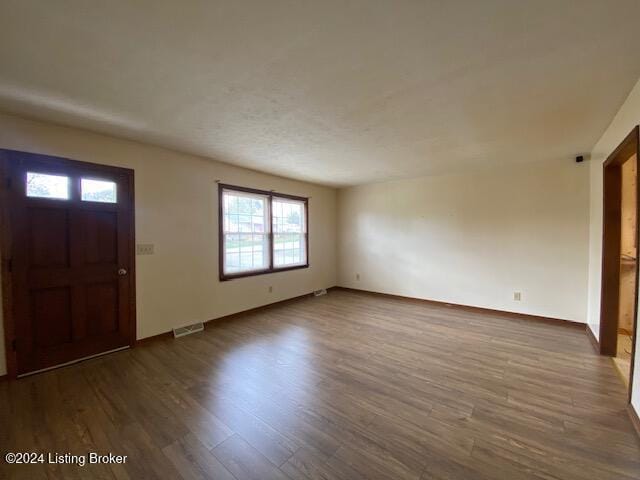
(611, 220)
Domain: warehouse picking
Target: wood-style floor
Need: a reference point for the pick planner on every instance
(344, 386)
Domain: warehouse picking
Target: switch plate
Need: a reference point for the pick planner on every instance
(144, 249)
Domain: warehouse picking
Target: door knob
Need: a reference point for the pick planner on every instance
(122, 271)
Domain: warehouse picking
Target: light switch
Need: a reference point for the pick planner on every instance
(144, 249)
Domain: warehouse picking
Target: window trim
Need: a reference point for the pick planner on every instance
(270, 194)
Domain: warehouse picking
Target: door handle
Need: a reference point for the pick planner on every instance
(122, 271)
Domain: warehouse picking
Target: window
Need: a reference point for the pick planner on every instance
(261, 232)
(289, 240)
(43, 185)
(245, 232)
(98, 191)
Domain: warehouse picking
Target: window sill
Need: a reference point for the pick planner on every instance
(233, 276)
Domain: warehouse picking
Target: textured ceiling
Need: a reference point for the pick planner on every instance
(334, 92)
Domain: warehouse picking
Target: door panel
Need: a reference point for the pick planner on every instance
(101, 301)
(48, 237)
(100, 237)
(68, 298)
(51, 316)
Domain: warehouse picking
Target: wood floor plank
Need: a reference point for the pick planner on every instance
(275, 446)
(194, 461)
(306, 464)
(245, 462)
(339, 387)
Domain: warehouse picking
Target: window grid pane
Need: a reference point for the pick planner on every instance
(246, 241)
(261, 232)
(289, 227)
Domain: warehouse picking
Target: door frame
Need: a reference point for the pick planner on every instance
(611, 224)
(6, 246)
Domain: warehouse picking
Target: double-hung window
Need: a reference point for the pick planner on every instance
(261, 232)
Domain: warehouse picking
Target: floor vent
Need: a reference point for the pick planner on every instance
(317, 293)
(182, 331)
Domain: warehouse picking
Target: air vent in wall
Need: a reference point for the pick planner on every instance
(182, 331)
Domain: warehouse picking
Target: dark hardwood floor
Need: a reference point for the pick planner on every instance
(344, 386)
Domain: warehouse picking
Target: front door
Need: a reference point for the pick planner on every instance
(71, 235)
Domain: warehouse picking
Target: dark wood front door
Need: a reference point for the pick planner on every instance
(70, 260)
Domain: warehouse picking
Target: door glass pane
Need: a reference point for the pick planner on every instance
(98, 191)
(47, 186)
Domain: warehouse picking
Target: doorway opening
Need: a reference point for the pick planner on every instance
(619, 303)
(628, 266)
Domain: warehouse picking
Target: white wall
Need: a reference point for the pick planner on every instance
(627, 117)
(176, 209)
(473, 239)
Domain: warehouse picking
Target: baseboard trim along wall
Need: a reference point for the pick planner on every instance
(521, 316)
(594, 340)
(154, 338)
(231, 316)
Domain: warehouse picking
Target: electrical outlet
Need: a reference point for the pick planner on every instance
(144, 249)
(270, 289)
(517, 296)
(357, 276)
